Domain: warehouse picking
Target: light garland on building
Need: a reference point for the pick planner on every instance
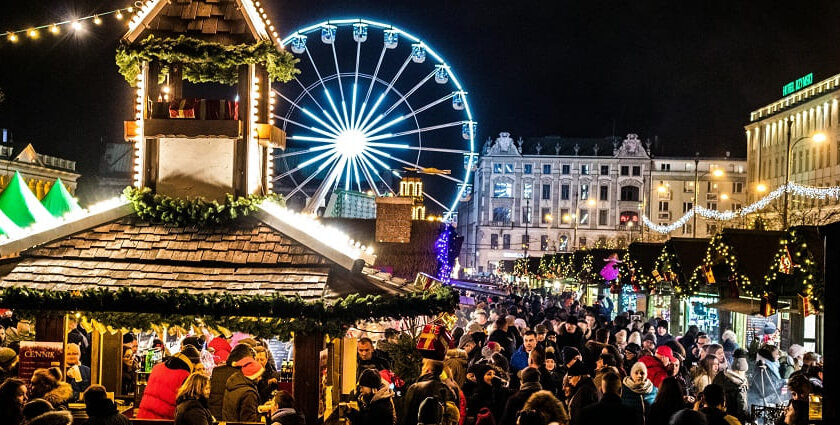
(139, 115)
(76, 24)
(793, 188)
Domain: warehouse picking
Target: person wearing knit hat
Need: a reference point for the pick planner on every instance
(370, 379)
(735, 385)
(529, 384)
(791, 361)
(569, 354)
(242, 398)
(649, 342)
(8, 363)
(221, 373)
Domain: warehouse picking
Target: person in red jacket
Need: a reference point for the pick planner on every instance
(162, 390)
(657, 365)
(221, 348)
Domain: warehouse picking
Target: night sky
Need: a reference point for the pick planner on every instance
(687, 72)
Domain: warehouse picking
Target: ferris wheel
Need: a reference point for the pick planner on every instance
(372, 105)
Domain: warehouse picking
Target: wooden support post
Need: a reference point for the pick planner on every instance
(50, 328)
(307, 375)
(831, 394)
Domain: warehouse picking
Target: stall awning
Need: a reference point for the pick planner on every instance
(749, 306)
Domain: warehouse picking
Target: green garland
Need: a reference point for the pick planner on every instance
(806, 274)
(205, 61)
(159, 208)
(265, 316)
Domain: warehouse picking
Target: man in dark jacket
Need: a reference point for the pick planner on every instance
(570, 334)
(530, 383)
(428, 385)
(218, 380)
(241, 395)
(662, 335)
(376, 401)
(713, 406)
(610, 410)
(500, 336)
(584, 393)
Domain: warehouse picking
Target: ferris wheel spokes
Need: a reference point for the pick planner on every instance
(385, 92)
(340, 87)
(327, 92)
(370, 87)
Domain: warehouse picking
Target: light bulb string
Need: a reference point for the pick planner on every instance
(813, 192)
(128, 9)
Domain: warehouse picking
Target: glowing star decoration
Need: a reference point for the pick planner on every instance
(610, 271)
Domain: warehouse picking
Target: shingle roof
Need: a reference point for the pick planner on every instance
(78, 275)
(200, 16)
(243, 242)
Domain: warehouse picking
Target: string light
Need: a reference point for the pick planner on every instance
(796, 189)
(77, 24)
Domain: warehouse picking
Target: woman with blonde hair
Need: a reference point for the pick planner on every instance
(192, 408)
(704, 373)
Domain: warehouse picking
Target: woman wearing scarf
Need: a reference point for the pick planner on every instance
(638, 392)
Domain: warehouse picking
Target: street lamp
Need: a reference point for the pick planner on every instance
(717, 172)
(817, 138)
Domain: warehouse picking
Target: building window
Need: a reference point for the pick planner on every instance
(736, 207)
(582, 241)
(526, 215)
(605, 193)
(528, 168)
(502, 190)
(711, 228)
(497, 168)
(663, 206)
(505, 241)
(628, 217)
(564, 215)
(527, 190)
(625, 170)
(604, 217)
(687, 206)
(501, 215)
(629, 193)
(665, 167)
(563, 243)
(584, 169)
(584, 191)
(687, 229)
(546, 215)
(737, 187)
(543, 243)
(564, 192)
(565, 169)
(711, 205)
(546, 191)
(494, 241)
(605, 170)
(546, 168)
(508, 168)
(584, 216)
(637, 170)
(526, 242)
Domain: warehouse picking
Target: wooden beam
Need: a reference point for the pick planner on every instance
(306, 378)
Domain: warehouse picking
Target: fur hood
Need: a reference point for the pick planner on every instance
(56, 417)
(60, 395)
(382, 393)
(456, 353)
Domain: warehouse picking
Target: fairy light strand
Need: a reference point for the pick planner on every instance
(76, 24)
(793, 188)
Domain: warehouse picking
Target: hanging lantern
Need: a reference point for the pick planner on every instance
(298, 44)
(391, 38)
(360, 32)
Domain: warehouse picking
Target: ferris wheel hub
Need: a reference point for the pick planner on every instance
(350, 143)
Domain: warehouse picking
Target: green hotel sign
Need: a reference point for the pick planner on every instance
(801, 82)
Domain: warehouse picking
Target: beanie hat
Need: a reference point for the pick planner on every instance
(8, 357)
(769, 328)
(637, 366)
(369, 378)
(633, 348)
(649, 337)
(794, 351)
(430, 412)
(549, 354)
(572, 319)
(530, 374)
(662, 323)
(569, 353)
(739, 360)
(250, 368)
(35, 408)
(577, 369)
(465, 339)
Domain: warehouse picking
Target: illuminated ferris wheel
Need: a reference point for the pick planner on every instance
(372, 105)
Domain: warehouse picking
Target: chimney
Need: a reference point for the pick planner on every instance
(393, 219)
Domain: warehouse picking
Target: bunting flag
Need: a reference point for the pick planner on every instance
(807, 308)
(710, 276)
(769, 304)
(786, 262)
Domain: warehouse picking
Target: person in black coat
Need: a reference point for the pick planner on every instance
(376, 401)
(583, 394)
(285, 413)
(530, 383)
(221, 375)
(669, 400)
(193, 406)
(501, 336)
(570, 334)
(428, 385)
(100, 409)
(610, 410)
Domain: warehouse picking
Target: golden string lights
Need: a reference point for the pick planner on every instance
(75, 24)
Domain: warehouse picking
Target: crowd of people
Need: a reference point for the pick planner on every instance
(519, 360)
(550, 360)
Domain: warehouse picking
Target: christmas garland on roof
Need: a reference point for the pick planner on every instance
(794, 266)
(265, 316)
(159, 208)
(205, 61)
